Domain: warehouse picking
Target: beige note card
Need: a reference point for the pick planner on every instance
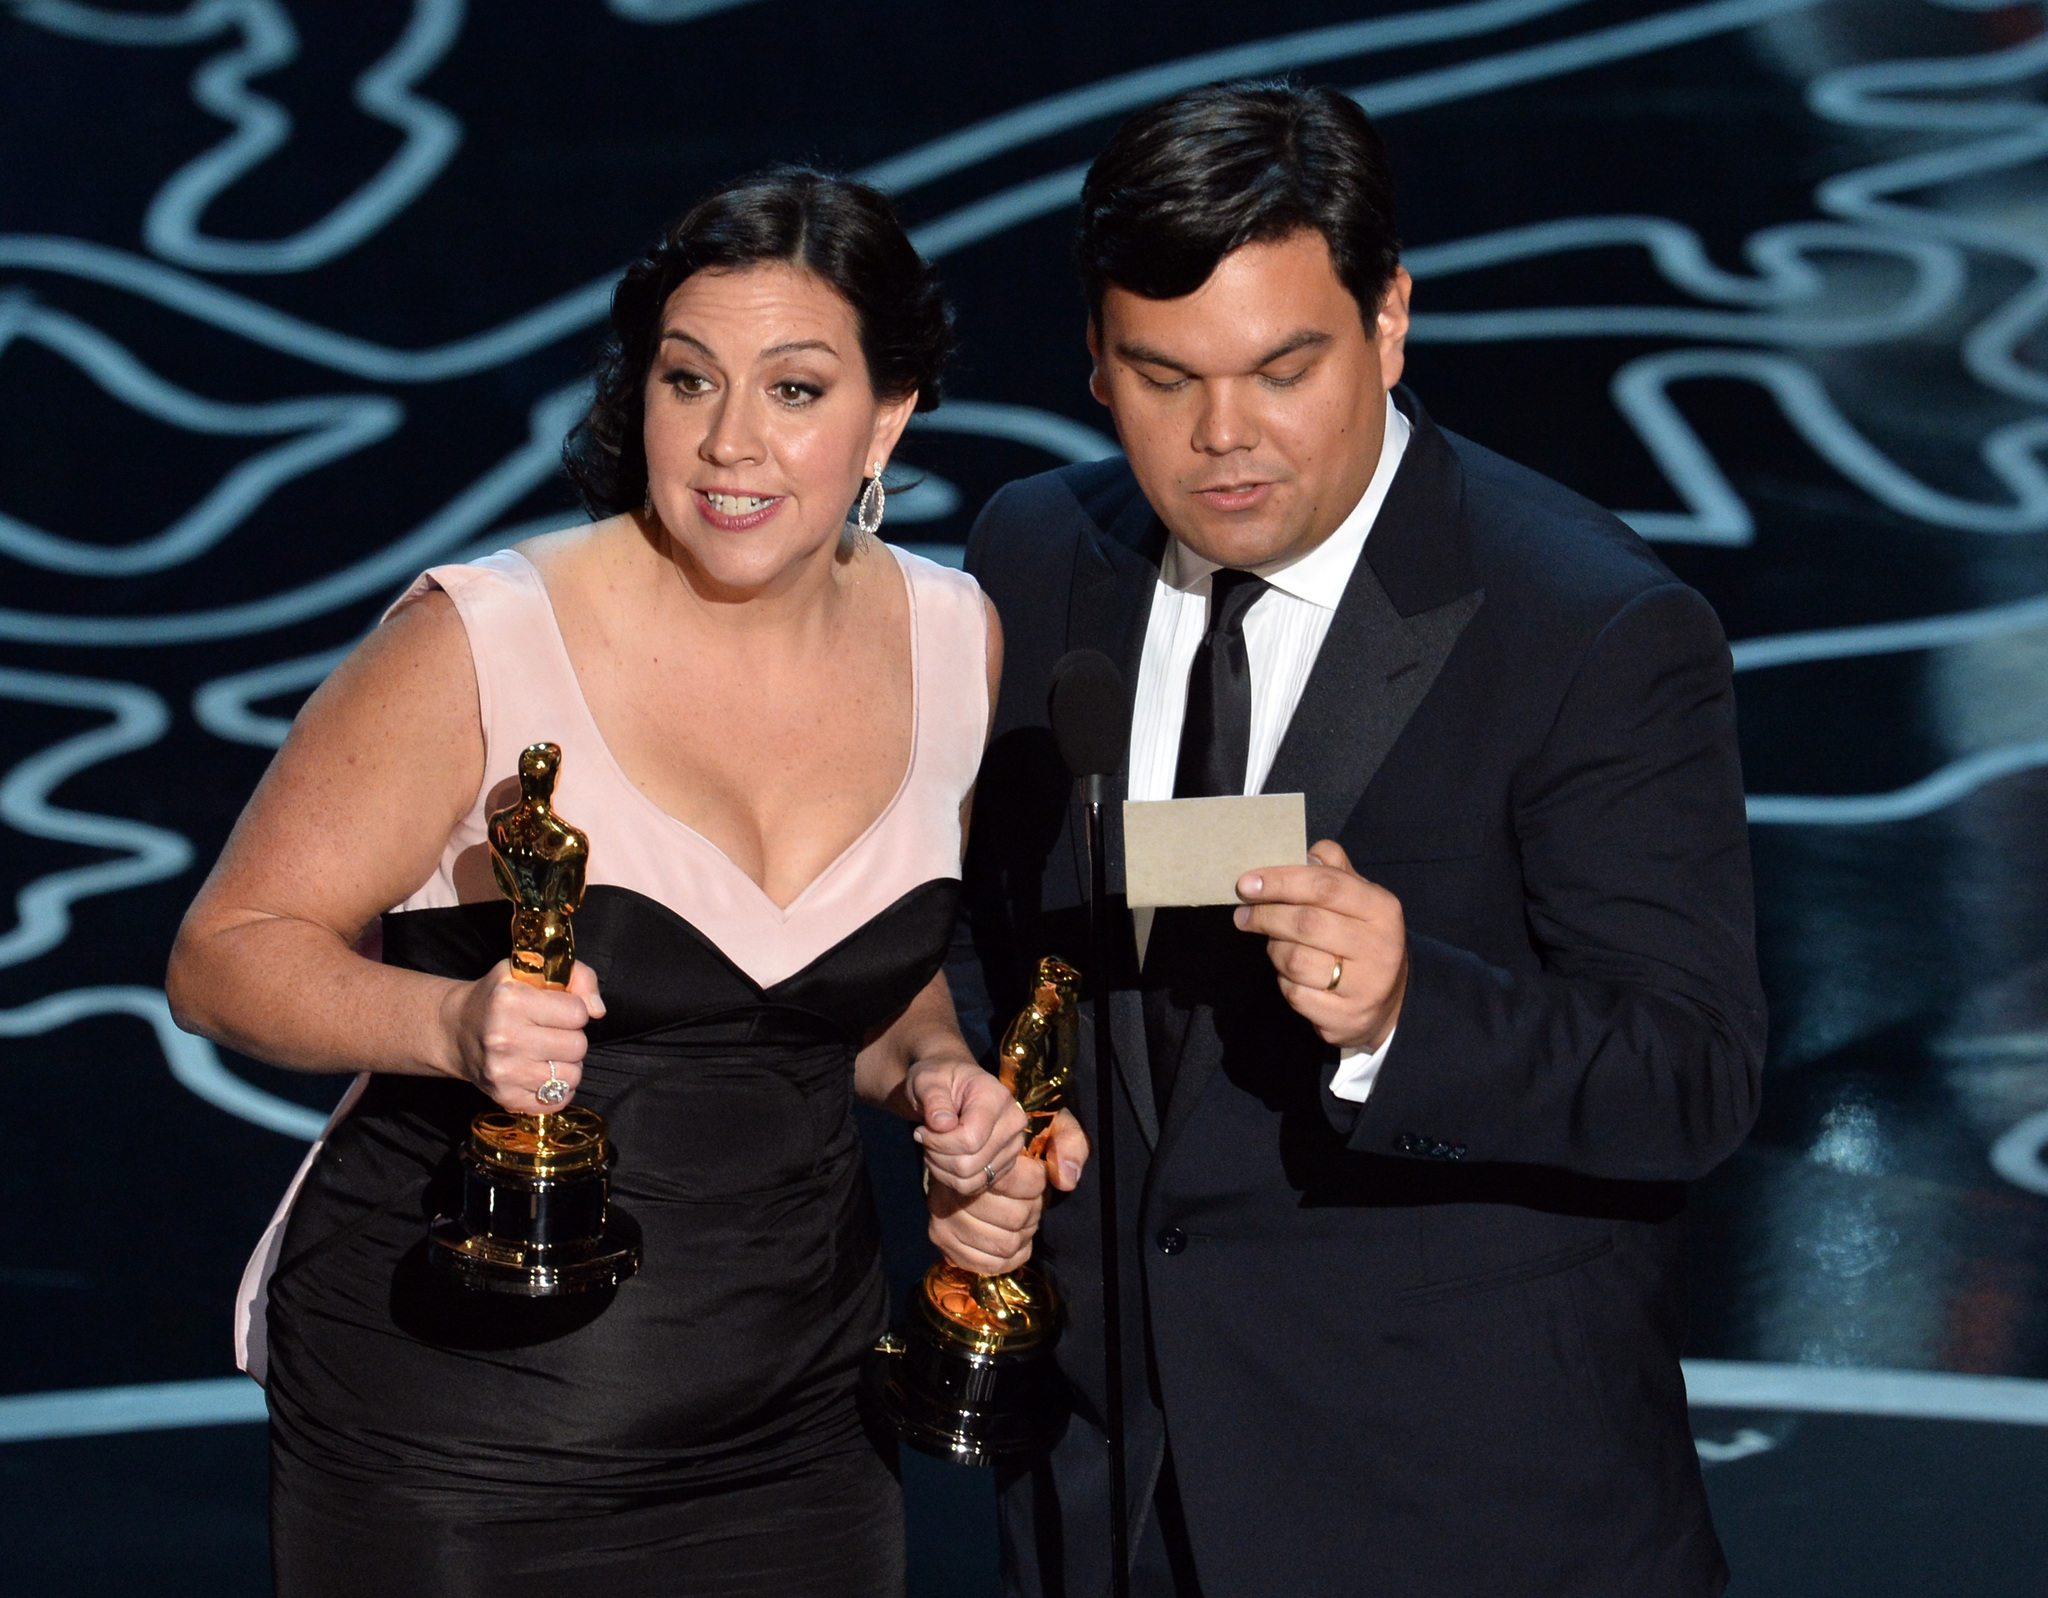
(1192, 851)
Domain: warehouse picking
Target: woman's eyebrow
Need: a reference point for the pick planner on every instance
(795, 344)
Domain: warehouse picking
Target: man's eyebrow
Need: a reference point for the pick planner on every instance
(1307, 339)
(1145, 354)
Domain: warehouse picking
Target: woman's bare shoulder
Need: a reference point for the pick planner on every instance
(570, 552)
(412, 676)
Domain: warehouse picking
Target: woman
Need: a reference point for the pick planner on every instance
(769, 725)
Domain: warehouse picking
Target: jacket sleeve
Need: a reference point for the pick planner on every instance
(1636, 1051)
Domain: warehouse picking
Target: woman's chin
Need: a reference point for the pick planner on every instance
(752, 560)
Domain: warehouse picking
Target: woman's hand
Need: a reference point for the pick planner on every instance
(972, 1130)
(990, 1232)
(509, 1036)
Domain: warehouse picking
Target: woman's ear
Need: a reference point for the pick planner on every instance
(891, 417)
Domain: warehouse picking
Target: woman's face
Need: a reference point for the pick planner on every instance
(761, 421)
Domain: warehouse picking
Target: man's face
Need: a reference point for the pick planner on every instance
(1253, 409)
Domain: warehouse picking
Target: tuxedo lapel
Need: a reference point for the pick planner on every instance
(1409, 599)
(1374, 670)
(1115, 569)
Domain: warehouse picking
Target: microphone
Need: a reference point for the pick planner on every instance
(1090, 710)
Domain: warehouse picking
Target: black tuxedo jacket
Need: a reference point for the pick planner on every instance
(1430, 1345)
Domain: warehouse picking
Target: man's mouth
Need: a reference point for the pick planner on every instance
(1234, 496)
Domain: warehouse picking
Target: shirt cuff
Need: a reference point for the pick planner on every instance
(1356, 1069)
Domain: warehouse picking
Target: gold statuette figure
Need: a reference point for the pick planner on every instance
(973, 1380)
(536, 1216)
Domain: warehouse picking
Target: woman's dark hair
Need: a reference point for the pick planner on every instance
(1185, 182)
(844, 232)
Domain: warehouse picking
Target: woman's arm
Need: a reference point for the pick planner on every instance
(985, 1201)
(382, 763)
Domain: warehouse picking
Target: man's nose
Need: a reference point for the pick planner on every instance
(1225, 421)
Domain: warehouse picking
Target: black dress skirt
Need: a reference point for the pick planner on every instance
(693, 1431)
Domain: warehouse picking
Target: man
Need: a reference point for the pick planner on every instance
(1403, 1139)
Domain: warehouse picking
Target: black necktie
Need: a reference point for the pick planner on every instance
(1216, 733)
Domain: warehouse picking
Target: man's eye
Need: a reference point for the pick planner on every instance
(1164, 385)
(1283, 379)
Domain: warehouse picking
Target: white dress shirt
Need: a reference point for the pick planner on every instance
(1283, 631)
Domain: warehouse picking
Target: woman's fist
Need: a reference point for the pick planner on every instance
(510, 1036)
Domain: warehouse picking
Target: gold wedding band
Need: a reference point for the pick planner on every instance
(1336, 976)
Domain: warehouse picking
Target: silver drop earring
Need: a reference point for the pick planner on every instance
(874, 501)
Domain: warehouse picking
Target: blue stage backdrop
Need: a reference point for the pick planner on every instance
(297, 299)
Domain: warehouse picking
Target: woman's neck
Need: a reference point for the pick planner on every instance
(803, 598)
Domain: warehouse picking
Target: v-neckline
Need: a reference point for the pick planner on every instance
(781, 913)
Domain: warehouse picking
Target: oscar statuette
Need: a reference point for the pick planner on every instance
(536, 1217)
(973, 1379)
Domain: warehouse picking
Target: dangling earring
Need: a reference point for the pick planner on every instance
(873, 502)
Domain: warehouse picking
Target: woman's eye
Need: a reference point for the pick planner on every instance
(687, 382)
(795, 393)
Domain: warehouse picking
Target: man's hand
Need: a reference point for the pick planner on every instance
(1322, 921)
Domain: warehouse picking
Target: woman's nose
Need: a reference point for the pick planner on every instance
(734, 436)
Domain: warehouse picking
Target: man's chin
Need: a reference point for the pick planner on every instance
(1242, 541)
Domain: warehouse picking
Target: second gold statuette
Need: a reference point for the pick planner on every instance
(973, 1379)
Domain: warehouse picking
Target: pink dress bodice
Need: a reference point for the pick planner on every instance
(527, 693)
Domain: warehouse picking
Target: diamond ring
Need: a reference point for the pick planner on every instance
(553, 1090)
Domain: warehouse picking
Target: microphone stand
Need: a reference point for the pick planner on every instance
(1100, 939)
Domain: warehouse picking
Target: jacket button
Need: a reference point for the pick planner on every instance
(1172, 1240)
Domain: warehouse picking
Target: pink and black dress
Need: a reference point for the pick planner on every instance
(694, 1430)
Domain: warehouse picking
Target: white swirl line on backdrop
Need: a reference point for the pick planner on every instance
(671, 10)
(1786, 282)
(1041, 196)
(150, 854)
(1709, 1384)
(319, 429)
(192, 1060)
(510, 480)
(1094, 102)
(221, 85)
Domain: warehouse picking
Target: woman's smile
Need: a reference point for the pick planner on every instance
(735, 513)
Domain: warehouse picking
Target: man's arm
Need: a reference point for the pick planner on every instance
(1636, 1052)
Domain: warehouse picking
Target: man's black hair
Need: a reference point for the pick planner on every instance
(1185, 182)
